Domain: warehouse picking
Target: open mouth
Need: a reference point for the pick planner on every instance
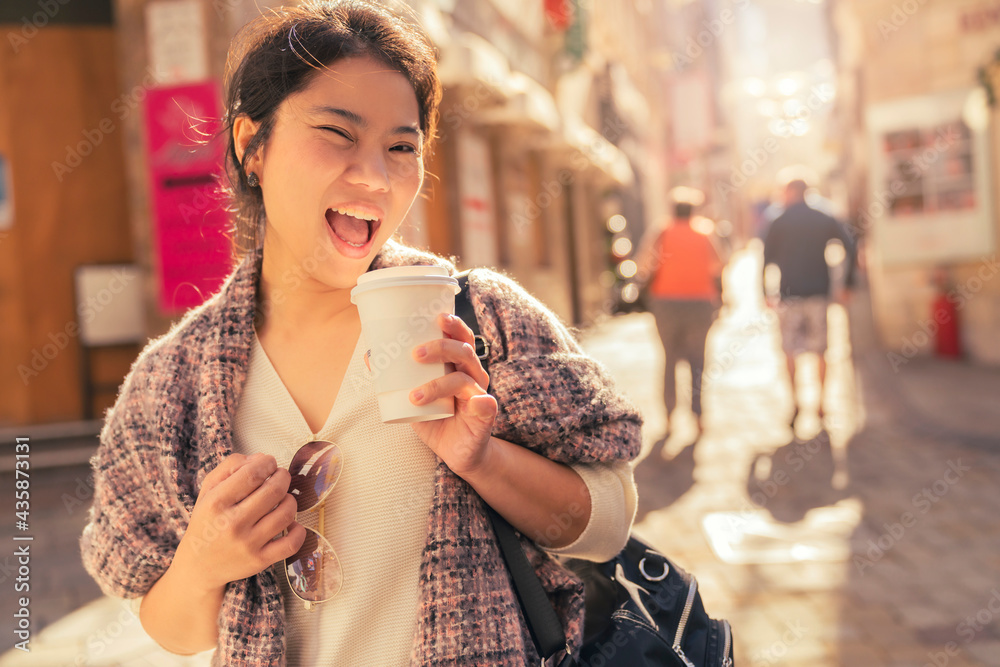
(353, 227)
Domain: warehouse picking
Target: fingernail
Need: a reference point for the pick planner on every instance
(421, 352)
(416, 396)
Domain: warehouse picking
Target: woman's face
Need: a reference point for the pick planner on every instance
(339, 172)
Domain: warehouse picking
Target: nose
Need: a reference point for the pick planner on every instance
(369, 169)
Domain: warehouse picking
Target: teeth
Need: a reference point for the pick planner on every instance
(354, 213)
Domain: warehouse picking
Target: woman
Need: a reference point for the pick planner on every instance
(331, 109)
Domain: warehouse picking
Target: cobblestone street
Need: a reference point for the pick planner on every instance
(871, 540)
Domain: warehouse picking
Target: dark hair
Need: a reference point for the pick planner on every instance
(277, 54)
(682, 210)
(798, 186)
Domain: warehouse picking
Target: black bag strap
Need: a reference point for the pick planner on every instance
(546, 630)
(544, 625)
(464, 310)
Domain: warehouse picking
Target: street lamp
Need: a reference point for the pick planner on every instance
(616, 224)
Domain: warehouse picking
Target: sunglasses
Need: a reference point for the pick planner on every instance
(314, 572)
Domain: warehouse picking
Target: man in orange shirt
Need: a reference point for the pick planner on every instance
(683, 267)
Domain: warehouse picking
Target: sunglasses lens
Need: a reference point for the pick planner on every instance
(314, 572)
(315, 469)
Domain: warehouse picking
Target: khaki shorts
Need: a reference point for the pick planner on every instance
(803, 324)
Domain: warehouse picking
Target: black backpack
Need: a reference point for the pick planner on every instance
(641, 608)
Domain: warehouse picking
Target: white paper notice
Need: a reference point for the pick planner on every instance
(175, 32)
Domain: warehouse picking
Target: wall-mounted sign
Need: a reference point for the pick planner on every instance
(109, 304)
(175, 32)
(193, 249)
(6, 194)
(929, 181)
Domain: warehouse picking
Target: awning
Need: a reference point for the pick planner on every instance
(574, 92)
(517, 100)
(629, 101)
(601, 153)
(469, 60)
(528, 103)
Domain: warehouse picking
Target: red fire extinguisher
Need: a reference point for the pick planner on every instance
(948, 342)
(559, 13)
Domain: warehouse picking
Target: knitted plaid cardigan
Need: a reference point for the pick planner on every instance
(172, 424)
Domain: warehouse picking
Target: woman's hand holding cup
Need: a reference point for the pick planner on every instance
(462, 441)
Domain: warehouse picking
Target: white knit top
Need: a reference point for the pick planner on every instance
(376, 515)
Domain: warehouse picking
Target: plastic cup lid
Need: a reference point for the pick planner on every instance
(403, 276)
(403, 272)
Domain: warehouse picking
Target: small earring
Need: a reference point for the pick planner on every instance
(252, 180)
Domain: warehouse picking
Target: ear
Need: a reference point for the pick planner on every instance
(244, 130)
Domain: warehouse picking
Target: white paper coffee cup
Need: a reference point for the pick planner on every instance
(399, 309)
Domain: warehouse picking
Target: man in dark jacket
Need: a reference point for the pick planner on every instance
(796, 243)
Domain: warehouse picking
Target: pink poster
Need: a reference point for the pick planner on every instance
(190, 225)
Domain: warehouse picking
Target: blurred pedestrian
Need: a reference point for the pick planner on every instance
(216, 500)
(797, 244)
(684, 270)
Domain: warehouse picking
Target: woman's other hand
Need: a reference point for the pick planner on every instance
(463, 440)
(242, 506)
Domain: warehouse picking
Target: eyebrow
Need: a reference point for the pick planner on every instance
(361, 121)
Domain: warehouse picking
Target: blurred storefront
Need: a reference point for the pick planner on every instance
(63, 205)
(918, 83)
(108, 205)
(530, 164)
